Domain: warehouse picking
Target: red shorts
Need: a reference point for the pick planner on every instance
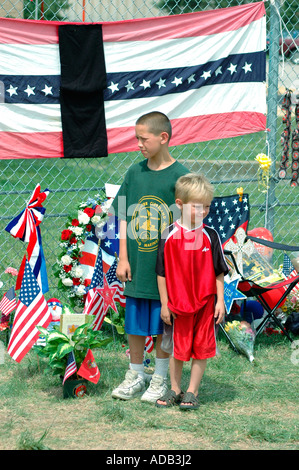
(194, 335)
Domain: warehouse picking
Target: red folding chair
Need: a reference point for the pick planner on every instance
(271, 296)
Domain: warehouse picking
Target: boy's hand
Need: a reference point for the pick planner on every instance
(219, 312)
(166, 315)
(123, 271)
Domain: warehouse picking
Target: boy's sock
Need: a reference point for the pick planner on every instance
(161, 366)
(139, 368)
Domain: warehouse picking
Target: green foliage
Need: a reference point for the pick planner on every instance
(58, 346)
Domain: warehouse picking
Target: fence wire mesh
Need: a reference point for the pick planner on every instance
(228, 163)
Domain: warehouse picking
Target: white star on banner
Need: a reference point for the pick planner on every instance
(218, 71)
(130, 86)
(191, 78)
(47, 90)
(232, 68)
(30, 90)
(113, 87)
(12, 90)
(247, 67)
(177, 81)
(146, 84)
(206, 75)
(161, 83)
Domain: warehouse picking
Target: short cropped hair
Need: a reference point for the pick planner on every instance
(157, 122)
(193, 186)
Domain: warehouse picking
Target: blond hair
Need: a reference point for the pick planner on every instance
(195, 187)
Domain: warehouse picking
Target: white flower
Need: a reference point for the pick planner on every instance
(83, 218)
(77, 230)
(66, 259)
(77, 271)
(96, 219)
(67, 282)
(80, 290)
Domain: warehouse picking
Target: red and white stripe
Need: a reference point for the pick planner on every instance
(24, 332)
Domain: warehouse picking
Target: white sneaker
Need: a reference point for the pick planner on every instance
(157, 388)
(132, 386)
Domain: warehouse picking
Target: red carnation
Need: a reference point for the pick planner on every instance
(73, 241)
(76, 281)
(75, 222)
(88, 227)
(66, 234)
(89, 211)
(66, 268)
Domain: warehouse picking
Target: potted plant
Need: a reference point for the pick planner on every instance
(58, 348)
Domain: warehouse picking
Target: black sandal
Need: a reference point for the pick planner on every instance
(170, 398)
(189, 402)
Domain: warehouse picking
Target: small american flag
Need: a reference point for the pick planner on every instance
(71, 366)
(32, 311)
(94, 300)
(8, 302)
(114, 282)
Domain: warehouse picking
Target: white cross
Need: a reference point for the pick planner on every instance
(239, 248)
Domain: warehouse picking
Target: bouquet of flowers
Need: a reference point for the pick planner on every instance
(292, 303)
(90, 216)
(242, 336)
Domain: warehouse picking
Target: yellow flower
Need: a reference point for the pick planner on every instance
(263, 160)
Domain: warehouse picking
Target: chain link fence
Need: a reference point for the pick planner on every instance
(228, 163)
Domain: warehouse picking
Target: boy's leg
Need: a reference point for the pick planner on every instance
(198, 367)
(158, 383)
(175, 370)
(136, 345)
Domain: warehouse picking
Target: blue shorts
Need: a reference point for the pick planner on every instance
(142, 317)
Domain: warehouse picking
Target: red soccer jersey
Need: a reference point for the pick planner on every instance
(190, 260)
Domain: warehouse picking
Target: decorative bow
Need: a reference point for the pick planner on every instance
(26, 227)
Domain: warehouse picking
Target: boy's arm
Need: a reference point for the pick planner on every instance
(220, 306)
(166, 314)
(123, 270)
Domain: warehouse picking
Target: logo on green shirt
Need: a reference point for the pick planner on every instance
(150, 217)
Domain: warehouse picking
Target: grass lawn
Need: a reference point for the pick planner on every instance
(244, 406)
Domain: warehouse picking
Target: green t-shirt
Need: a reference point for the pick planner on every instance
(146, 201)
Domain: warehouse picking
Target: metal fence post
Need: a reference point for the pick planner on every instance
(272, 102)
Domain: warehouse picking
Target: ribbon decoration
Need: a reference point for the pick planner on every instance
(26, 227)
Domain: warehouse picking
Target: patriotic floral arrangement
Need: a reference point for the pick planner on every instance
(90, 215)
(242, 336)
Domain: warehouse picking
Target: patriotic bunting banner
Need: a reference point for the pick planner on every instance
(26, 227)
(205, 70)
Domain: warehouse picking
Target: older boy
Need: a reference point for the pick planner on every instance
(143, 205)
(190, 268)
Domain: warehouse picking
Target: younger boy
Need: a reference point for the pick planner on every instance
(143, 205)
(190, 268)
